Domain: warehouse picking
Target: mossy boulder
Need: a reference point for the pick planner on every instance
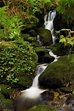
(59, 73)
(40, 52)
(42, 108)
(58, 49)
(17, 63)
(43, 55)
(48, 58)
(45, 36)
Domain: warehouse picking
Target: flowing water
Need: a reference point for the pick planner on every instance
(48, 23)
(32, 95)
(34, 91)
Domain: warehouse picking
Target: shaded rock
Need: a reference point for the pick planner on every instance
(48, 59)
(58, 73)
(40, 52)
(32, 32)
(59, 22)
(45, 36)
(65, 32)
(58, 49)
(43, 55)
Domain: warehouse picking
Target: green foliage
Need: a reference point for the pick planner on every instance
(73, 92)
(42, 108)
(37, 5)
(11, 24)
(5, 90)
(22, 9)
(16, 59)
(67, 40)
(66, 8)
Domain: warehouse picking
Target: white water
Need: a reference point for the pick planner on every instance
(38, 40)
(53, 55)
(48, 23)
(34, 91)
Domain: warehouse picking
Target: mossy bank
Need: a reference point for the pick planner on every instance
(18, 61)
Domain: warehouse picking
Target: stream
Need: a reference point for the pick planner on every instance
(35, 95)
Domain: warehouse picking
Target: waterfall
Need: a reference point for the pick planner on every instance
(38, 40)
(48, 23)
(34, 91)
(53, 55)
(39, 70)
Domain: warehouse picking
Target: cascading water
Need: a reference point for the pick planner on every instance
(34, 91)
(53, 55)
(33, 94)
(48, 23)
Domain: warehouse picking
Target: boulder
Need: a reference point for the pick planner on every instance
(45, 36)
(58, 49)
(43, 55)
(59, 73)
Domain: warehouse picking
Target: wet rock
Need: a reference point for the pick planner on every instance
(59, 73)
(45, 36)
(43, 55)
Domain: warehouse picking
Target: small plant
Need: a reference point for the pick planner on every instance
(68, 43)
(17, 59)
(67, 40)
(12, 25)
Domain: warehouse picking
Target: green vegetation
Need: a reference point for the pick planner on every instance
(17, 59)
(67, 41)
(11, 25)
(20, 23)
(43, 108)
(66, 7)
(59, 73)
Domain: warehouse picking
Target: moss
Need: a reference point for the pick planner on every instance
(58, 49)
(41, 53)
(17, 59)
(48, 59)
(5, 90)
(45, 36)
(32, 32)
(59, 73)
(1, 95)
(42, 108)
